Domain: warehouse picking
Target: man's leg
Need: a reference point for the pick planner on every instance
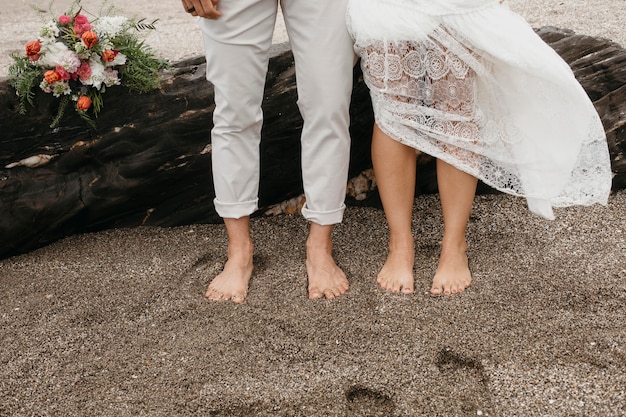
(324, 59)
(326, 279)
(237, 50)
(232, 282)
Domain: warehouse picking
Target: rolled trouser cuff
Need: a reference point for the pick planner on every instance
(324, 218)
(236, 210)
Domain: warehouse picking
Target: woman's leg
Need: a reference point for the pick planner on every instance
(394, 166)
(456, 190)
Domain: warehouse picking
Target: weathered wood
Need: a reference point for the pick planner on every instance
(149, 160)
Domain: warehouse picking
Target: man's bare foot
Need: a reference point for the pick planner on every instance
(397, 273)
(453, 275)
(326, 279)
(232, 282)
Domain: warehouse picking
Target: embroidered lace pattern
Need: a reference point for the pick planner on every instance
(439, 96)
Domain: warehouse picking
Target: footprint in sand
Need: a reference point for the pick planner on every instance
(364, 402)
(466, 384)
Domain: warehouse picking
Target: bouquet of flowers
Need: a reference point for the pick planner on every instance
(76, 59)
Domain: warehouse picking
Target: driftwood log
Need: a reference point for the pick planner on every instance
(148, 162)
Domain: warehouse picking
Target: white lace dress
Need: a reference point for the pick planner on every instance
(469, 82)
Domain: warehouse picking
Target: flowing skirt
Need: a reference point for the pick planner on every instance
(469, 82)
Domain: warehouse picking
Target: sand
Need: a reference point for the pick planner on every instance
(114, 323)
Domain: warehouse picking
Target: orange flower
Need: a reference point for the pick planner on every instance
(51, 77)
(83, 103)
(109, 55)
(32, 50)
(89, 39)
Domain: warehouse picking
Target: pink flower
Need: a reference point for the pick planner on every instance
(65, 19)
(81, 24)
(63, 73)
(84, 71)
(81, 19)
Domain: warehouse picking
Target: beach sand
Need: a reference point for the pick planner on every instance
(115, 323)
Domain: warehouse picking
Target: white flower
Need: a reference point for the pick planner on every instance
(52, 54)
(105, 44)
(120, 59)
(111, 26)
(45, 87)
(97, 76)
(49, 32)
(61, 88)
(111, 77)
(69, 61)
(81, 50)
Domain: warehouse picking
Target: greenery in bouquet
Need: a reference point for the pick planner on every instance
(76, 59)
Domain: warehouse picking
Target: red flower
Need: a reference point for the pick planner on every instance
(65, 19)
(109, 55)
(51, 77)
(90, 39)
(32, 50)
(83, 103)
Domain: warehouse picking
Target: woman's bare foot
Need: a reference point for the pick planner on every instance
(232, 282)
(453, 275)
(397, 273)
(326, 279)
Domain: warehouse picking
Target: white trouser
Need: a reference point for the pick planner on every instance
(237, 53)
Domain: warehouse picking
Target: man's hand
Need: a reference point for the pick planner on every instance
(202, 8)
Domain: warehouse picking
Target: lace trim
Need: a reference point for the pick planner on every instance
(438, 96)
